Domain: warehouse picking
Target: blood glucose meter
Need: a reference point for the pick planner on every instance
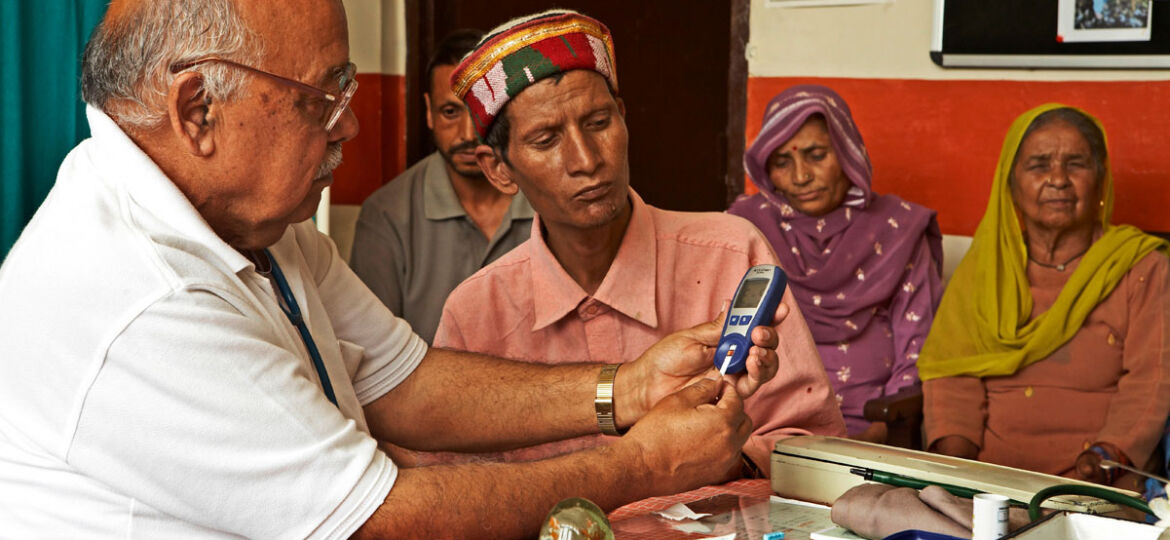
(755, 303)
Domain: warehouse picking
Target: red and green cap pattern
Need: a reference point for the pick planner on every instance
(522, 51)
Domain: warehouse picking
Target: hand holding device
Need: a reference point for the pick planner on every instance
(755, 302)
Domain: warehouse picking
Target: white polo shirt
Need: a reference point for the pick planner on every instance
(150, 385)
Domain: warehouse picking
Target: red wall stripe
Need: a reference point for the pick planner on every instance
(378, 153)
(936, 142)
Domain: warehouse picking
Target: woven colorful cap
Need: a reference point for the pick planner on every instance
(520, 52)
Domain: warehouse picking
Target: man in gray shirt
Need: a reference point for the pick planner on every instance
(437, 223)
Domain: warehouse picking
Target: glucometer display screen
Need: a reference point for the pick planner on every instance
(750, 293)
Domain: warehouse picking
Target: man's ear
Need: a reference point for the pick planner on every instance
(189, 109)
(495, 169)
(621, 103)
(427, 101)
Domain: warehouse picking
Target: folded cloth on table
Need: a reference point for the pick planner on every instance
(876, 511)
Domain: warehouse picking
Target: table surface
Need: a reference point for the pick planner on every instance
(746, 509)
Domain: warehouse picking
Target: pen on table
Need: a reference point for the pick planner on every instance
(910, 482)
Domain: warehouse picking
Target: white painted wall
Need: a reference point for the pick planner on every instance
(890, 40)
(377, 44)
(366, 34)
(393, 35)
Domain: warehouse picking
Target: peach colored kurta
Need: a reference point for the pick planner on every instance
(1110, 383)
(673, 270)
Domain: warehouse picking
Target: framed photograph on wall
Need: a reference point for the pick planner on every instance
(1103, 20)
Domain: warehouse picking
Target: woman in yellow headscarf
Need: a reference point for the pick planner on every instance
(1051, 348)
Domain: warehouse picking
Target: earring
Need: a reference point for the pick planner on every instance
(1048, 181)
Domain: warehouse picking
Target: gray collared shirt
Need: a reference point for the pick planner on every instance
(414, 242)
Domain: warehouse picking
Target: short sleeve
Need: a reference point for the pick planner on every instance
(387, 347)
(954, 406)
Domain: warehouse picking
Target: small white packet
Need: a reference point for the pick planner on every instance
(680, 512)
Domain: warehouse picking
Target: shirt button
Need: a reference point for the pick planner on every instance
(1111, 340)
(1028, 392)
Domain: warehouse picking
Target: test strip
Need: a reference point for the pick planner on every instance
(727, 360)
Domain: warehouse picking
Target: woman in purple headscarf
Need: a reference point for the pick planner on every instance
(865, 268)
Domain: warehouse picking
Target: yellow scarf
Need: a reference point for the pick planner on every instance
(980, 327)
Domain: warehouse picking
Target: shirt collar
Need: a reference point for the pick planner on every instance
(122, 164)
(628, 286)
(441, 202)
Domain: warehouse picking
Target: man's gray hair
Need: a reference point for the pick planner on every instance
(128, 58)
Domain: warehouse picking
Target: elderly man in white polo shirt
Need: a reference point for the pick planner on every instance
(185, 357)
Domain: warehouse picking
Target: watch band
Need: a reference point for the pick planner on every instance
(603, 402)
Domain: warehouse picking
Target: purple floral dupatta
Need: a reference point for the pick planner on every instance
(844, 266)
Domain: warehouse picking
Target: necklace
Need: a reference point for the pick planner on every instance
(1059, 267)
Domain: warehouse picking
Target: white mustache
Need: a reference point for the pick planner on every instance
(332, 160)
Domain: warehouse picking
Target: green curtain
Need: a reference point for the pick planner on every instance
(41, 113)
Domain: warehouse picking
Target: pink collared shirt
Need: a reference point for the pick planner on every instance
(673, 270)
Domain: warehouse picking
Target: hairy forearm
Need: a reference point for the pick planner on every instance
(505, 500)
(469, 402)
(691, 438)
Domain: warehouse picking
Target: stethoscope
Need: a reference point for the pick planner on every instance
(288, 304)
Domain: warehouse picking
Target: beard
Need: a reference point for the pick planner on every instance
(473, 172)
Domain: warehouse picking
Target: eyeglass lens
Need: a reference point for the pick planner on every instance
(347, 82)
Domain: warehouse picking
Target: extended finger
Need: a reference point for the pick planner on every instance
(762, 365)
(765, 336)
(781, 312)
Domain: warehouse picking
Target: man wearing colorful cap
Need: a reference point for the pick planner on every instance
(437, 223)
(186, 356)
(603, 275)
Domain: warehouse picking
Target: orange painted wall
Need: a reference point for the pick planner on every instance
(936, 142)
(378, 153)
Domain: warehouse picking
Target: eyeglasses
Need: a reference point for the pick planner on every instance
(346, 85)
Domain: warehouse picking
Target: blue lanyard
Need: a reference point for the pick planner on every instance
(288, 304)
